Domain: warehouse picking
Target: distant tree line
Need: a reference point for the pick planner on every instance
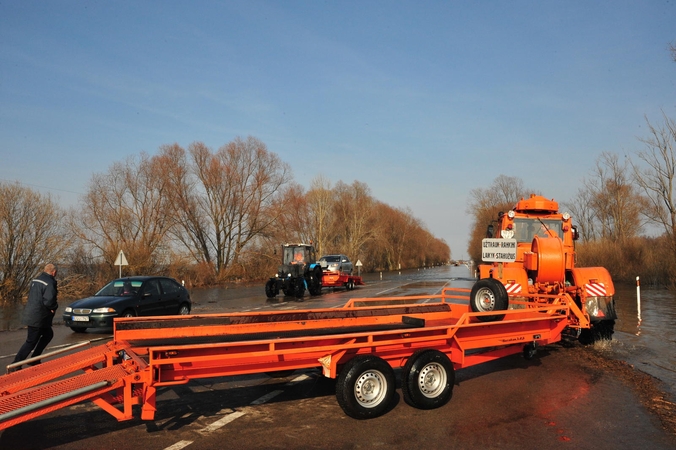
(202, 216)
(625, 210)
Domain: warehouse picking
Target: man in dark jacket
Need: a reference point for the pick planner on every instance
(39, 312)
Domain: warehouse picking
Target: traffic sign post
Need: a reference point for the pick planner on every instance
(358, 264)
(121, 261)
(498, 250)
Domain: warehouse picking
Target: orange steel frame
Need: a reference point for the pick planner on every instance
(331, 279)
(147, 353)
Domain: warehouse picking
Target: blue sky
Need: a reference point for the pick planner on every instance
(422, 100)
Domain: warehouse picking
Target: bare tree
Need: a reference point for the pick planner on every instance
(353, 211)
(31, 234)
(294, 222)
(613, 198)
(126, 209)
(227, 199)
(584, 214)
(656, 178)
(320, 200)
(190, 222)
(485, 203)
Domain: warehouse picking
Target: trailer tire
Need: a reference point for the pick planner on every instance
(428, 379)
(271, 289)
(365, 387)
(488, 294)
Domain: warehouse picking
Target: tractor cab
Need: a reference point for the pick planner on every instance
(298, 254)
(296, 258)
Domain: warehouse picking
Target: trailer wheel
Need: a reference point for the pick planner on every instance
(428, 379)
(271, 288)
(488, 294)
(365, 387)
(349, 285)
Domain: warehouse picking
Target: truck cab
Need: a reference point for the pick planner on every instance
(544, 262)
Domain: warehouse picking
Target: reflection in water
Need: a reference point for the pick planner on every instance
(645, 331)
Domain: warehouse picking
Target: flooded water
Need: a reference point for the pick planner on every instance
(647, 341)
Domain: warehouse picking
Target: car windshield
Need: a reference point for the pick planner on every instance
(120, 288)
(332, 258)
(526, 229)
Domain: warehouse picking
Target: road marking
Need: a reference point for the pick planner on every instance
(221, 422)
(298, 379)
(266, 397)
(179, 445)
(387, 290)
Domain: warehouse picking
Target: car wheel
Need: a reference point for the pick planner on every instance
(128, 313)
(184, 310)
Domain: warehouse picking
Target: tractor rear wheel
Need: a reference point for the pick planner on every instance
(488, 294)
(314, 283)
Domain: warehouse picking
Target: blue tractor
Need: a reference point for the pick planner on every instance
(298, 272)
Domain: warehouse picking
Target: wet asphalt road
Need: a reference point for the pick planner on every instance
(553, 401)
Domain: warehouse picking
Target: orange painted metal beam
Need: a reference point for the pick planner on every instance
(150, 352)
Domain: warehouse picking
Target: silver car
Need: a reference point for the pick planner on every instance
(336, 263)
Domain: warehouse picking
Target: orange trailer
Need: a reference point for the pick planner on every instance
(361, 344)
(341, 279)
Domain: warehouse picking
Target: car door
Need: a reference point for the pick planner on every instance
(346, 265)
(151, 296)
(171, 296)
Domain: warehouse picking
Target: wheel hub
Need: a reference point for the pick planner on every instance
(432, 380)
(369, 389)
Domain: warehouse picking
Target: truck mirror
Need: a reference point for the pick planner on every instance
(576, 233)
(489, 231)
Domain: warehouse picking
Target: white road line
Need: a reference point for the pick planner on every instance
(222, 421)
(266, 397)
(298, 379)
(179, 445)
(386, 290)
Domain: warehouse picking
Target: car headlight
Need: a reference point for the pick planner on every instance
(68, 309)
(104, 310)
